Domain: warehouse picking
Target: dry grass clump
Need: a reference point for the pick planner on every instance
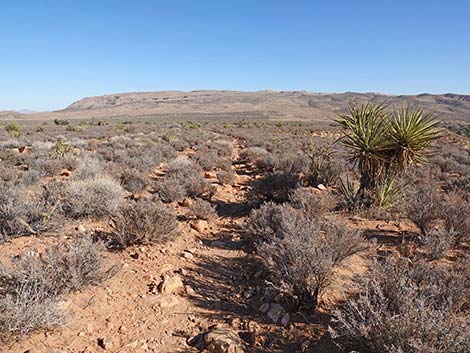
(143, 222)
(403, 308)
(202, 209)
(31, 287)
(97, 197)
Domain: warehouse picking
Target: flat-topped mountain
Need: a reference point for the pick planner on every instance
(267, 104)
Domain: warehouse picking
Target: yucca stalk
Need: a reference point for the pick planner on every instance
(412, 132)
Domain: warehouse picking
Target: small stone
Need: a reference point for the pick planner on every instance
(274, 312)
(81, 334)
(264, 308)
(170, 284)
(189, 290)
(285, 319)
(199, 225)
(135, 255)
(304, 346)
(321, 187)
(187, 255)
(223, 340)
(105, 343)
(81, 228)
(165, 301)
(210, 175)
(186, 202)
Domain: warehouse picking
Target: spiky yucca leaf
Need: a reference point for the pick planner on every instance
(412, 131)
(366, 137)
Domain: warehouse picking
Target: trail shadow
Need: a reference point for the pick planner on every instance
(388, 237)
(232, 209)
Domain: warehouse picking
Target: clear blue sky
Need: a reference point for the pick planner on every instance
(54, 52)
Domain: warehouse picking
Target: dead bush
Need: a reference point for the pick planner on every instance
(403, 308)
(97, 197)
(143, 222)
(202, 209)
(303, 259)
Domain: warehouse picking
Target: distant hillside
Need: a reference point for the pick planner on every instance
(268, 104)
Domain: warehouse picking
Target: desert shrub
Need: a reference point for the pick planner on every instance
(224, 148)
(409, 309)
(202, 209)
(143, 222)
(169, 189)
(313, 204)
(437, 242)
(24, 211)
(322, 168)
(267, 223)
(187, 175)
(132, 180)
(31, 286)
(251, 154)
(88, 167)
(226, 177)
(456, 214)
(424, 206)
(274, 187)
(13, 129)
(95, 197)
(303, 260)
(210, 160)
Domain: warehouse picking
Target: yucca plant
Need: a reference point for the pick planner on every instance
(411, 132)
(366, 137)
(384, 144)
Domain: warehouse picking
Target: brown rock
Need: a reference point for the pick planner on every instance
(199, 225)
(186, 202)
(223, 340)
(170, 284)
(210, 175)
(164, 301)
(105, 343)
(274, 312)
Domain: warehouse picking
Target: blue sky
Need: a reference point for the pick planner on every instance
(55, 52)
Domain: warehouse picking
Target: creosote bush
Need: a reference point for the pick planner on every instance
(143, 222)
(274, 187)
(403, 308)
(424, 207)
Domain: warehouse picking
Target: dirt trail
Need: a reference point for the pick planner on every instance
(220, 286)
